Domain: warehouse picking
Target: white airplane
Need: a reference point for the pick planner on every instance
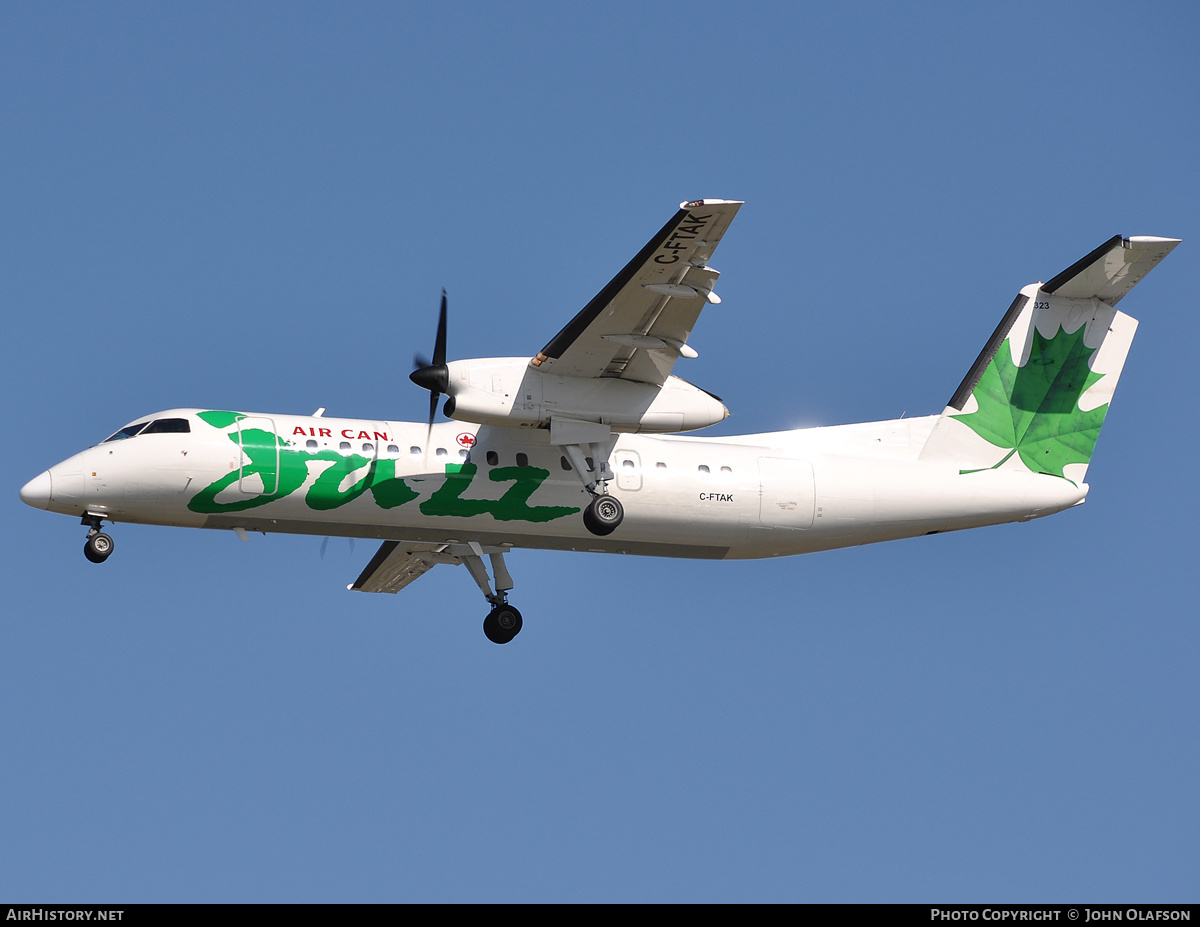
(576, 447)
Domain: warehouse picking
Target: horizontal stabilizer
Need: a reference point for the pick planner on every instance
(1112, 270)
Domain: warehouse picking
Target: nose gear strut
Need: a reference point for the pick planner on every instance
(98, 546)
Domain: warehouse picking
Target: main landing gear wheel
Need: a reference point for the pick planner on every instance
(98, 547)
(603, 515)
(502, 624)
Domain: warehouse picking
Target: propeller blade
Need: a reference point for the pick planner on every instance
(325, 545)
(433, 403)
(439, 344)
(434, 376)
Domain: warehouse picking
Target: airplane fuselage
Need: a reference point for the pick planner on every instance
(584, 445)
(750, 496)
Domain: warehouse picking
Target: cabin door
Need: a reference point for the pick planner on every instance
(259, 456)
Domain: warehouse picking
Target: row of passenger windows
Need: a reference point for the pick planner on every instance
(627, 464)
(493, 458)
(392, 450)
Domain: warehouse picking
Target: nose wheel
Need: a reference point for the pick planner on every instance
(98, 546)
(603, 515)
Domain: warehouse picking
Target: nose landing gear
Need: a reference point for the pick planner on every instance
(98, 546)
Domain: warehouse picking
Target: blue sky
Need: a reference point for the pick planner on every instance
(256, 206)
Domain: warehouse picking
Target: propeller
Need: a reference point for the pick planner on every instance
(433, 375)
(325, 544)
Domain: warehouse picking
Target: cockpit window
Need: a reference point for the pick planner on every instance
(127, 432)
(169, 426)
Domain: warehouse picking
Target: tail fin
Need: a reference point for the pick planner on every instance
(1037, 395)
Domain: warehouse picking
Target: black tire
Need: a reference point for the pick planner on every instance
(502, 624)
(603, 515)
(98, 547)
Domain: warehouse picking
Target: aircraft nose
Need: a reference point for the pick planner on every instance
(37, 491)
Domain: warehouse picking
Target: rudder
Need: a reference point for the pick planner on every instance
(1038, 393)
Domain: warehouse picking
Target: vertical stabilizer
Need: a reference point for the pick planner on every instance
(1036, 396)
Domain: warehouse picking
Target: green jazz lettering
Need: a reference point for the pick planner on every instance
(512, 506)
(272, 469)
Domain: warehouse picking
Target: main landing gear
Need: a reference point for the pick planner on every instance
(603, 515)
(98, 546)
(503, 622)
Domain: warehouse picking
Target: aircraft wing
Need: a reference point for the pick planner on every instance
(637, 326)
(398, 563)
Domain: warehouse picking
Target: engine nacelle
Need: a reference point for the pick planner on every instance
(507, 391)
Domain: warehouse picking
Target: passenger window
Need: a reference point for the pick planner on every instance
(393, 450)
(522, 460)
(441, 452)
(368, 448)
(414, 451)
(310, 443)
(492, 458)
(726, 470)
(703, 468)
(566, 464)
(660, 465)
(463, 454)
(344, 446)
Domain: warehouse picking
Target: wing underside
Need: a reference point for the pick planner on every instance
(398, 563)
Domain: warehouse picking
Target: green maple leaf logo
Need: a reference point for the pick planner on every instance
(1034, 410)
